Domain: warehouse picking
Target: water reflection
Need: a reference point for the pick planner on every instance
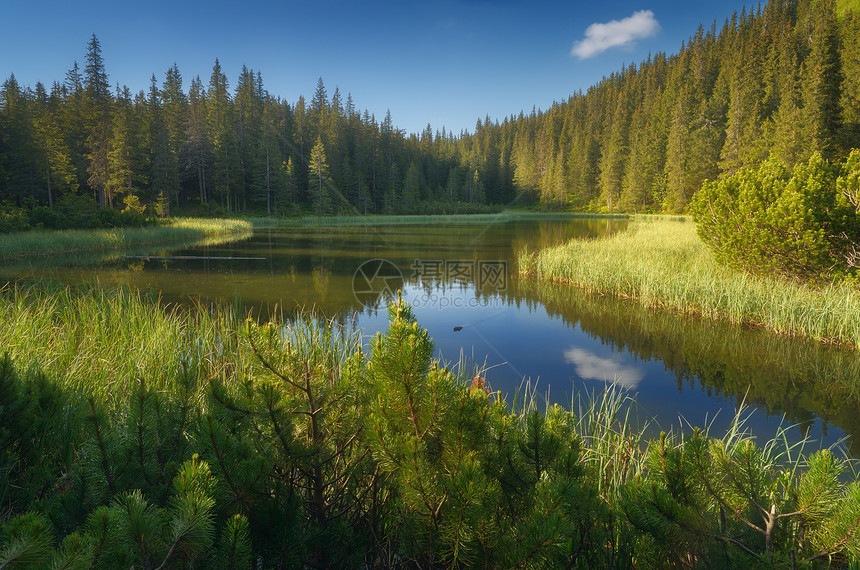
(556, 337)
(811, 384)
(613, 370)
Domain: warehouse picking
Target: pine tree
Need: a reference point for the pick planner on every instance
(851, 79)
(198, 148)
(73, 119)
(98, 113)
(18, 148)
(271, 175)
(219, 115)
(159, 151)
(248, 105)
(614, 151)
(173, 109)
(60, 176)
(822, 80)
(319, 182)
(121, 164)
(678, 190)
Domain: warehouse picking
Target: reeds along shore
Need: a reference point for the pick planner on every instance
(388, 220)
(662, 263)
(136, 434)
(30, 243)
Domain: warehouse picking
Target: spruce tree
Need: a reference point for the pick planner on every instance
(319, 182)
(98, 114)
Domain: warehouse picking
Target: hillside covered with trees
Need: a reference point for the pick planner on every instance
(781, 81)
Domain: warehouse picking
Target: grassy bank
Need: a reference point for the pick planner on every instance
(663, 264)
(136, 434)
(31, 243)
(390, 220)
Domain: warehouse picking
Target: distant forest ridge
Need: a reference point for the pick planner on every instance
(781, 82)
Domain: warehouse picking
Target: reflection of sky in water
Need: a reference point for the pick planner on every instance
(589, 366)
(520, 344)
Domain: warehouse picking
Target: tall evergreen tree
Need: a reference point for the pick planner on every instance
(98, 109)
(173, 110)
(320, 182)
(614, 151)
(822, 81)
(219, 116)
(850, 60)
(60, 175)
(121, 151)
(197, 146)
(18, 149)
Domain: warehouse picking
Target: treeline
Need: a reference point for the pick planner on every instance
(781, 82)
(229, 149)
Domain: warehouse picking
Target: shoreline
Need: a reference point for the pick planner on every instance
(396, 219)
(30, 244)
(662, 264)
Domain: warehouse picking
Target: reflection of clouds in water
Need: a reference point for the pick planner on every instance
(589, 366)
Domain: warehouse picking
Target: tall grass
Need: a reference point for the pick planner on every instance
(286, 453)
(71, 241)
(663, 264)
(387, 220)
(99, 343)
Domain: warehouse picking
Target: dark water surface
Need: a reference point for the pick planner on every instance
(461, 281)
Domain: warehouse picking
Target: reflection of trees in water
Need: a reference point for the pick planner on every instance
(798, 378)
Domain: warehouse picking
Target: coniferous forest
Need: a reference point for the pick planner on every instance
(136, 433)
(781, 81)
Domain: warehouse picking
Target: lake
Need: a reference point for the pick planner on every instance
(554, 341)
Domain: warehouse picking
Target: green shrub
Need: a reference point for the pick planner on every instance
(79, 211)
(42, 217)
(12, 219)
(801, 224)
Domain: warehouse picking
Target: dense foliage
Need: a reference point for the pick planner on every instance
(802, 223)
(780, 81)
(172, 439)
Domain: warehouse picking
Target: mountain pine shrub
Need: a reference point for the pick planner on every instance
(801, 224)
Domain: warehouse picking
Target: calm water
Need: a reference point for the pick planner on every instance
(460, 280)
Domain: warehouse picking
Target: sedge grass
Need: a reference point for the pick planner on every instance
(664, 265)
(100, 342)
(388, 220)
(31, 243)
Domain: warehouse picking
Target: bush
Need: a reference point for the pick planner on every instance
(78, 211)
(42, 217)
(12, 219)
(800, 224)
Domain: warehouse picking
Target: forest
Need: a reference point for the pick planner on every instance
(781, 81)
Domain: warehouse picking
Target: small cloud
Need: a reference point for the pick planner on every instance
(617, 33)
(589, 366)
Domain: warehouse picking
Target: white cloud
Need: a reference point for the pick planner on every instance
(617, 33)
(589, 366)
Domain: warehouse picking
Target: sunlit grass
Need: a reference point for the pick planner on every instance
(385, 220)
(663, 264)
(99, 342)
(72, 241)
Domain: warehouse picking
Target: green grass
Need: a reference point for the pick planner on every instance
(100, 342)
(31, 243)
(146, 388)
(663, 264)
(385, 220)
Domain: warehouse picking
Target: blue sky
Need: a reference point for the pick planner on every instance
(443, 62)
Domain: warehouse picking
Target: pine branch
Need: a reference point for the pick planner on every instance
(101, 446)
